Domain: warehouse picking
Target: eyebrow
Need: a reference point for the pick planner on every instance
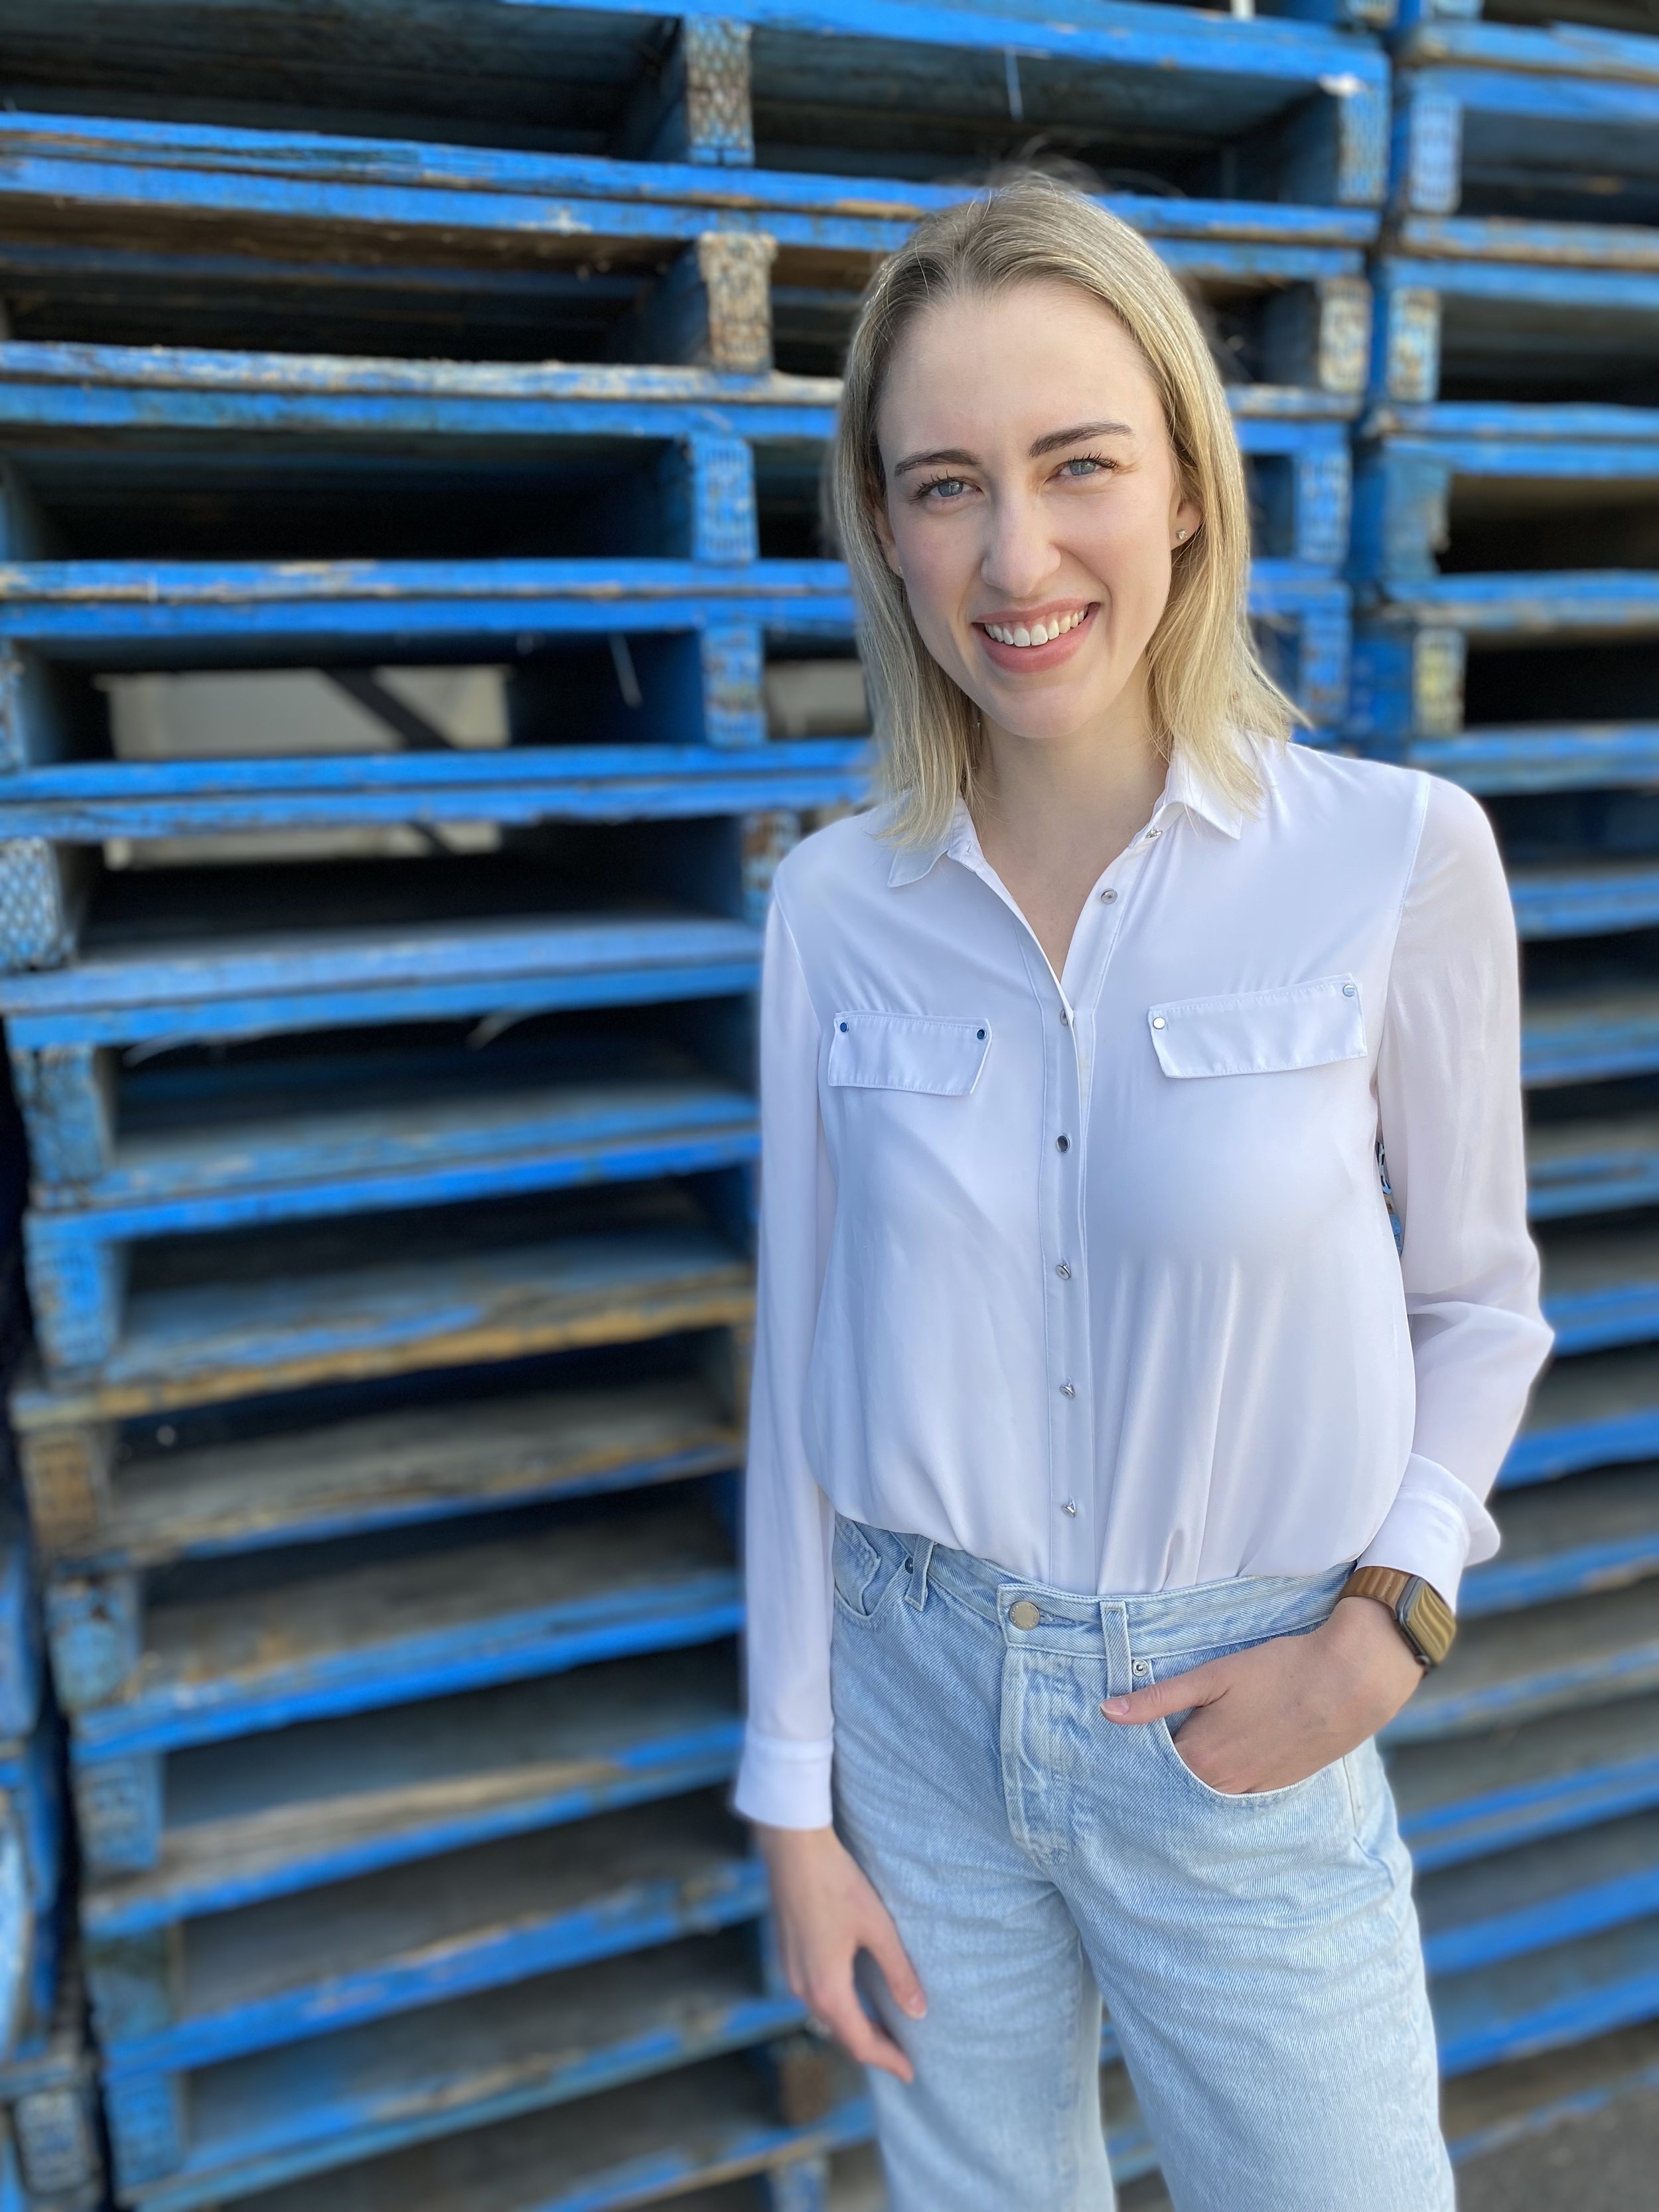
(1052, 443)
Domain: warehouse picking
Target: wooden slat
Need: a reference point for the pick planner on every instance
(1592, 1166)
(1548, 1998)
(1518, 1667)
(1601, 1408)
(234, 1647)
(1596, 1532)
(328, 1801)
(408, 1936)
(286, 1309)
(1464, 1796)
(1490, 2110)
(1544, 1893)
(380, 1470)
(1601, 1287)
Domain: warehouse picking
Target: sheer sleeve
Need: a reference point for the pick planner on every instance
(1449, 1094)
(784, 1779)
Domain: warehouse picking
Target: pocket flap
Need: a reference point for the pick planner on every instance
(937, 1052)
(1260, 1032)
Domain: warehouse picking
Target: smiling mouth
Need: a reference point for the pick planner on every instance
(1039, 633)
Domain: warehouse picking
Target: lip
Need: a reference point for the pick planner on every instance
(1033, 660)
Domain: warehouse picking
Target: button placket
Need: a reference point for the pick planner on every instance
(1069, 1540)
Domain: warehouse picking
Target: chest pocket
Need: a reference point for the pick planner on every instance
(938, 1054)
(1260, 1032)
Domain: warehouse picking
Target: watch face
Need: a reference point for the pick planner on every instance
(1429, 1622)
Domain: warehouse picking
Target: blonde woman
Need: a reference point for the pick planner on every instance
(1111, 1472)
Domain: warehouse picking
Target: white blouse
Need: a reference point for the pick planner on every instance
(1095, 1278)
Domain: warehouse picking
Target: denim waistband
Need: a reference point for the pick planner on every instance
(1150, 1622)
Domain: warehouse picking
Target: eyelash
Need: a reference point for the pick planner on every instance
(1097, 461)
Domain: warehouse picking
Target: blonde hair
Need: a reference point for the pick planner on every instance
(1209, 693)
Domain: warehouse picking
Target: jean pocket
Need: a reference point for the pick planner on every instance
(864, 1566)
(1167, 1732)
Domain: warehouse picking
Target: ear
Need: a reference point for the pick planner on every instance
(885, 534)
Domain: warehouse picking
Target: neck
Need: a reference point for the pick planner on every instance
(1082, 795)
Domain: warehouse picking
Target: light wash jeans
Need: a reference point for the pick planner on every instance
(1259, 1955)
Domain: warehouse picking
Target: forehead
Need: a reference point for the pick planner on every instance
(1015, 364)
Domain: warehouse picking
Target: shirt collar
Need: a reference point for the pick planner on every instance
(1184, 785)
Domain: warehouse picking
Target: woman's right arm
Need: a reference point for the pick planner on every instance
(826, 1910)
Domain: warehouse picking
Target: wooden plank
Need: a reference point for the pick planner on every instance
(385, 1469)
(1601, 1284)
(1596, 1532)
(1579, 1651)
(408, 1936)
(1491, 2109)
(1592, 1166)
(1497, 762)
(1465, 1797)
(330, 1801)
(231, 1647)
(1544, 1893)
(1597, 1410)
(1586, 1033)
(1548, 1998)
(85, 802)
(1586, 898)
(306, 2107)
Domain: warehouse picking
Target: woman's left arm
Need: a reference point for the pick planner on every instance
(1448, 1098)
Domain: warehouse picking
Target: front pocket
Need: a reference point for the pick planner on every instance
(1260, 1032)
(939, 1054)
(1261, 1799)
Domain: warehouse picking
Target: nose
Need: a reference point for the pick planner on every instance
(1020, 555)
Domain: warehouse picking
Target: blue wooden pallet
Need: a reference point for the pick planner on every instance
(1592, 897)
(1601, 1284)
(1412, 639)
(1588, 1033)
(327, 1802)
(1566, 1539)
(1513, 309)
(108, 1500)
(1497, 761)
(1544, 1893)
(1548, 1998)
(1596, 1166)
(1528, 472)
(1596, 1411)
(48, 2095)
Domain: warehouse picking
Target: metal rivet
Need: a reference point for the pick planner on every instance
(1062, 1144)
(1350, 990)
(1143, 1667)
(1025, 1614)
(1068, 1390)
(1063, 1272)
(1106, 897)
(1158, 1022)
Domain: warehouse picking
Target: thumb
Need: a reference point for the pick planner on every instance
(881, 1940)
(1201, 1687)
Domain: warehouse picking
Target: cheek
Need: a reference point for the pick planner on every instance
(938, 567)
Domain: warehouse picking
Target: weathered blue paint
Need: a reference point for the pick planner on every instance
(1495, 761)
(1564, 1995)
(1519, 1668)
(1598, 1532)
(1545, 1893)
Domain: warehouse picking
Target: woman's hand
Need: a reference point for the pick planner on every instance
(827, 1913)
(1264, 1718)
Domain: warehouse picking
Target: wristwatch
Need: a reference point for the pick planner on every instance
(1420, 1614)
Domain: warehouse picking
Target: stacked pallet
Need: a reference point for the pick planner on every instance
(1506, 565)
(416, 649)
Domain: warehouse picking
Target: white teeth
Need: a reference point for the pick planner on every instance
(1035, 633)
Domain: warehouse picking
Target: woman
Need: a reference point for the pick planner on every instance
(1087, 1368)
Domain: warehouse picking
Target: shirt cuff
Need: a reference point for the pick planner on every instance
(1435, 1526)
(783, 1783)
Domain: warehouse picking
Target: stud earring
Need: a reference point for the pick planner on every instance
(1179, 534)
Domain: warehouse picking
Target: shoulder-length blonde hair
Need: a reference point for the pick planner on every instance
(1209, 692)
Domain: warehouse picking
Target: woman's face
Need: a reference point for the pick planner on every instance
(1031, 496)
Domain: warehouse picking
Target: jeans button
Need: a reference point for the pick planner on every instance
(1025, 1614)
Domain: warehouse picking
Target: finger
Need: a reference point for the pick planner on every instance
(861, 2039)
(1202, 1686)
(881, 1940)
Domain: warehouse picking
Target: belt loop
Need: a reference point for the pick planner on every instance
(921, 1558)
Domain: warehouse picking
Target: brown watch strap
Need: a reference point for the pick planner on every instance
(1422, 1615)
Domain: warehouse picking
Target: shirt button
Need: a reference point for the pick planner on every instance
(1154, 833)
(1063, 1272)
(1065, 1018)
(1068, 1390)
(1106, 897)
(1025, 1614)
(1071, 1507)
(1158, 1022)
(1062, 1144)
(1350, 990)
